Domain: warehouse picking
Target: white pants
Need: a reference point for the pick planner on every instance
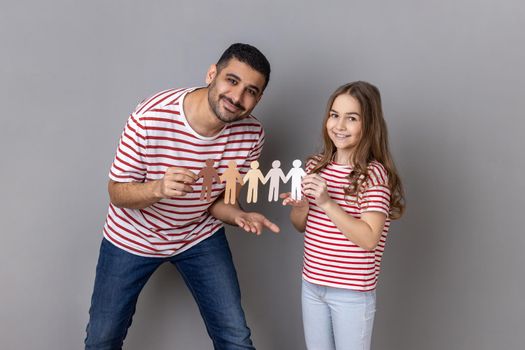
(337, 318)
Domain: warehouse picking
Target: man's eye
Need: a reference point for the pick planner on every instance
(232, 81)
(252, 92)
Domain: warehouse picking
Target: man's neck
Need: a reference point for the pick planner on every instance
(199, 114)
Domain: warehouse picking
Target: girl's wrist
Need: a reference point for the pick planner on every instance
(326, 204)
(300, 209)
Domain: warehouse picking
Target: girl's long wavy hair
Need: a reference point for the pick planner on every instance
(373, 145)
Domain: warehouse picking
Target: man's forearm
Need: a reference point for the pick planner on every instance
(225, 212)
(133, 195)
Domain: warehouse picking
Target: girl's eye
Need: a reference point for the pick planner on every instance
(352, 119)
(232, 81)
(333, 115)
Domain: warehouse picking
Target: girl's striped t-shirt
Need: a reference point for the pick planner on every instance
(331, 259)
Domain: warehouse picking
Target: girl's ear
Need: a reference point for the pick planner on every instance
(211, 74)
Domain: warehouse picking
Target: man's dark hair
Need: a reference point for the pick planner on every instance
(249, 55)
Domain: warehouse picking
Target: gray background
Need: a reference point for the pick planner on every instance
(452, 79)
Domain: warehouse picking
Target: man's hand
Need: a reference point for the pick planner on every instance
(254, 223)
(176, 182)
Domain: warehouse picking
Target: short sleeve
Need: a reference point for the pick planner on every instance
(130, 164)
(311, 163)
(257, 148)
(376, 194)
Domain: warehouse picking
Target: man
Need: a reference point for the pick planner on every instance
(156, 215)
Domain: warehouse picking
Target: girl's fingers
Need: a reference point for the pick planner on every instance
(311, 186)
(293, 202)
(309, 192)
(288, 201)
(312, 177)
(313, 193)
(313, 182)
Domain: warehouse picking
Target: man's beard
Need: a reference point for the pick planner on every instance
(225, 117)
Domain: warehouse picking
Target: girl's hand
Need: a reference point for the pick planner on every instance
(287, 200)
(299, 212)
(316, 187)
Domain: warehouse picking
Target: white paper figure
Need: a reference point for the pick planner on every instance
(296, 174)
(252, 177)
(274, 175)
(231, 176)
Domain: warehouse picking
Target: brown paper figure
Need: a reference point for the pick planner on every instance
(231, 176)
(208, 173)
(274, 175)
(296, 174)
(252, 177)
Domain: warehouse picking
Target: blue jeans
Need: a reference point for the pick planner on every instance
(208, 271)
(337, 318)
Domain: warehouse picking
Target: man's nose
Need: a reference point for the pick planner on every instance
(236, 93)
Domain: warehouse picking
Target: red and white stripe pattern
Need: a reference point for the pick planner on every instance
(331, 259)
(157, 136)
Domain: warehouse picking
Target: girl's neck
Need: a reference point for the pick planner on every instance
(342, 158)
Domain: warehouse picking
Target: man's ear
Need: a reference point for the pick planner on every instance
(212, 73)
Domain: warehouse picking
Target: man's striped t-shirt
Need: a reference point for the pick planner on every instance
(331, 259)
(157, 136)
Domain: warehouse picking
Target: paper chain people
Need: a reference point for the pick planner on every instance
(208, 173)
(231, 177)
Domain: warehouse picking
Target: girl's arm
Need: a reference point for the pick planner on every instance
(299, 211)
(365, 232)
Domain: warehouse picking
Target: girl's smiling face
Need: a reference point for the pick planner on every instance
(344, 125)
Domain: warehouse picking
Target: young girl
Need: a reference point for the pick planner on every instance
(352, 191)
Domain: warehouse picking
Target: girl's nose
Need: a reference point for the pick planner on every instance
(341, 124)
